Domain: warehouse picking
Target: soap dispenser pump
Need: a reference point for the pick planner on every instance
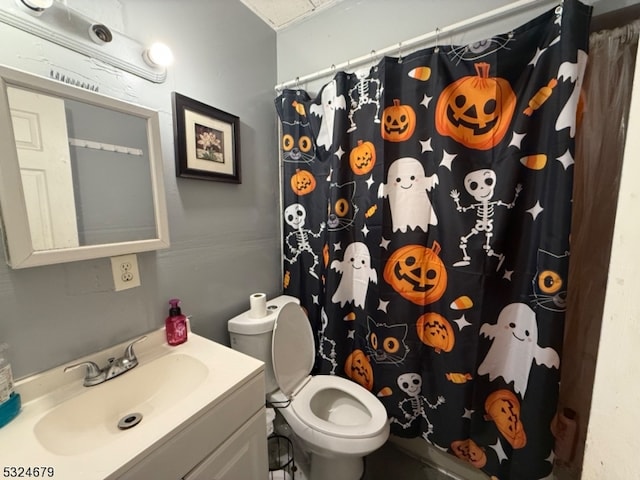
(175, 324)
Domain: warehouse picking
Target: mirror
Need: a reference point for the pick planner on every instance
(80, 173)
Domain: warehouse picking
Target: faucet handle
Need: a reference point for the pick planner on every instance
(129, 354)
(93, 375)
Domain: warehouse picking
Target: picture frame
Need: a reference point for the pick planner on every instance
(207, 141)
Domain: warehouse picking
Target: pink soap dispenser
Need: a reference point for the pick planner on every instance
(175, 324)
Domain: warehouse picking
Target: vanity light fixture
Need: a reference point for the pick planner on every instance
(34, 7)
(158, 55)
(100, 33)
(57, 23)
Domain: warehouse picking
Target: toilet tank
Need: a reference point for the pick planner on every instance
(252, 336)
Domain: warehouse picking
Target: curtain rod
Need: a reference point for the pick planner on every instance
(419, 40)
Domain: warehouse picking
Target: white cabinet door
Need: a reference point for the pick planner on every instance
(242, 457)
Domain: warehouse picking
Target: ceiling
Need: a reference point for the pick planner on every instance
(281, 13)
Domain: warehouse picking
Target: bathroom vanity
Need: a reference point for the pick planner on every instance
(202, 417)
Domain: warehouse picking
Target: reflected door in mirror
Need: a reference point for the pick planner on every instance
(39, 124)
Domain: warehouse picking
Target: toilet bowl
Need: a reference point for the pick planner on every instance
(336, 420)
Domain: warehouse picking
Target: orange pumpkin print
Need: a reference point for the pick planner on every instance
(398, 122)
(503, 407)
(476, 111)
(362, 158)
(302, 182)
(417, 273)
(435, 331)
(469, 451)
(358, 368)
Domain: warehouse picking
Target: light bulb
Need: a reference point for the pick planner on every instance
(158, 55)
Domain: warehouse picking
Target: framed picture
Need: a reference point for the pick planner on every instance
(207, 141)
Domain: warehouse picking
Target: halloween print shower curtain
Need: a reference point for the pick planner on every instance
(426, 229)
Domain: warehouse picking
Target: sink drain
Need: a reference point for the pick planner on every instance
(129, 420)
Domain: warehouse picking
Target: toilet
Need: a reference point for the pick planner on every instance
(337, 421)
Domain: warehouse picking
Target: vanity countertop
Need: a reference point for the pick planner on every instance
(58, 398)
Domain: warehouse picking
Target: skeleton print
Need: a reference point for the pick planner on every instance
(326, 346)
(366, 92)
(295, 216)
(481, 185)
(414, 406)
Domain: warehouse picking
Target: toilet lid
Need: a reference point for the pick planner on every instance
(292, 348)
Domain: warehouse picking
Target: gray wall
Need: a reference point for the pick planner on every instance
(106, 214)
(355, 28)
(224, 237)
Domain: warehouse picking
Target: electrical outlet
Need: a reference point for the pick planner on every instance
(125, 272)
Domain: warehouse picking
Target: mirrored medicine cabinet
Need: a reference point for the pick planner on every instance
(80, 173)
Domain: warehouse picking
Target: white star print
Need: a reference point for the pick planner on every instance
(468, 413)
(507, 274)
(339, 152)
(365, 231)
(516, 139)
(369, 182)
(315, 299)
(382, 305)
(551, 457)
(337, 246)
(425, 101)
(426, 145)
(499, 451)
(537, 56)
(351, 334)
(566, 159)
(384, 243)
(535, 210)
(462, 322)
(447, 159)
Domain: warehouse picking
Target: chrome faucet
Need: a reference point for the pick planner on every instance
(96, 375)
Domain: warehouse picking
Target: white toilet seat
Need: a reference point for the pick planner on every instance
(363, 414)
(335, 418)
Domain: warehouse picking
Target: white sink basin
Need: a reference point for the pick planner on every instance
(74, 429)
(90, 420)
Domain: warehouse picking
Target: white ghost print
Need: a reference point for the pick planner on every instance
(407, 187)
(356, 274)
(515, 347)
(573, 72)
(327, 110)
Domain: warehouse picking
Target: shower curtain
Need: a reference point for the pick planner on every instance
(426, 232)
(607, 85)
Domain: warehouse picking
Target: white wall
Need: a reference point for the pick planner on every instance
(224, 237)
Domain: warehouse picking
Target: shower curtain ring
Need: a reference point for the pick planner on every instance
(373, 60)
(399, 52)
(437, 48)
(297, 82)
